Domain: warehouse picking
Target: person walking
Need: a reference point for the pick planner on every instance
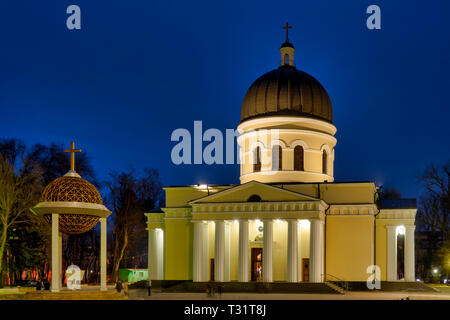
(119, 286)
(149, 287)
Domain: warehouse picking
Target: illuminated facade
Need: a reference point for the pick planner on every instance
(288, 220)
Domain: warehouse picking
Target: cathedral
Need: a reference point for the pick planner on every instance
(288, 220)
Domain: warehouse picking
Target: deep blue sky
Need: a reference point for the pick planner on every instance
(137, 70)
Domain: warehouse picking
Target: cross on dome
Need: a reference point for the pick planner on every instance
(287, 27)
(72, 151)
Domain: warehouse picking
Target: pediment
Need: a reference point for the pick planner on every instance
(243, 192)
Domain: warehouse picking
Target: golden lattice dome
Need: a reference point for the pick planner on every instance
(72, 188)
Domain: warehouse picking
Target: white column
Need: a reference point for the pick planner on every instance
(56, 275)
(316, 251)
(409, 253)
(391, 253)
(299, 252)
(205, 252)
(156, 253)
(226, 267)
(243, 251)
(292, 251)
(60, 260)
(197, 271)
(219, 251)
(267, 256)
(103, 254)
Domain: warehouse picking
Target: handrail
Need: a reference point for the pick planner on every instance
(343, 284)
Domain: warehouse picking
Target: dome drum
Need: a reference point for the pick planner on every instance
(291, 109)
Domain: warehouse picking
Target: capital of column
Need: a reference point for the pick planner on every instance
(316, 220)
(410, 227)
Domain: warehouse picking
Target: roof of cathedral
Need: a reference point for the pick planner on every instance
(397, 204)
(286, 91)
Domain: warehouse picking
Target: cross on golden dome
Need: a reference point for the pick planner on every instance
(287, 31)
(72, 151)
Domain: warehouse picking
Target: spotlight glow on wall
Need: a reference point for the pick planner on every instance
(304, 224)
(400, 230)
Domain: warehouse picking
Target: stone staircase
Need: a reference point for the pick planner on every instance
(66, 295)
(252, 287)
(390, 286)
(405, 286)
(335, 287)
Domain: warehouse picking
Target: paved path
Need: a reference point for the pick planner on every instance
(294, 296)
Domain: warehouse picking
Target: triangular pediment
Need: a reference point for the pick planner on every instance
(243, 192)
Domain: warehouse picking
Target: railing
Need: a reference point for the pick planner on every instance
(339, 282)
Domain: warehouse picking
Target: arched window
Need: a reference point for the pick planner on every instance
(298, 158)
(277, 158)
(324, 162)
(257, 160)
(286, 59)
(254, 198)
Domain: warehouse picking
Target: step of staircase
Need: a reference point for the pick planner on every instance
(254, 287)
(335, 287)
(391, 286)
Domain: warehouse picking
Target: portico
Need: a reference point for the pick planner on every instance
(273, 226)
(222, 243)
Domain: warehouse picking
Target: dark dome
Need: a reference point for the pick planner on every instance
(286, 91)
(287, 44)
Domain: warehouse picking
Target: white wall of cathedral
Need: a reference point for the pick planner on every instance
(314, 140)
(255, 241)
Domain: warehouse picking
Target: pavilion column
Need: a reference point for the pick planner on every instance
(60, 259)
(292, 251)
(409, 253)
(197, 271)
(103, 254)
(219, 251)
(391, 253)
(56, 275)
(267, 256)
(243, 251)
(316, 250)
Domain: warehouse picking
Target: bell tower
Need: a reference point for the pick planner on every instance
(287, 49)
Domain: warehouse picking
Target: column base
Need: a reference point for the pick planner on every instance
(103, 289)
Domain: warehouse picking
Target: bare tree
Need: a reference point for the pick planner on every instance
(433, 218)
(18, 193)
(435, 206)
(129, 197)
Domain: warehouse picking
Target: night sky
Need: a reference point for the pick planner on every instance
(137, 70)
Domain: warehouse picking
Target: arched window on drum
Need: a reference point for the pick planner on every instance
(324, 162)
(257, 159)
(277, 158)
(299, 158)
